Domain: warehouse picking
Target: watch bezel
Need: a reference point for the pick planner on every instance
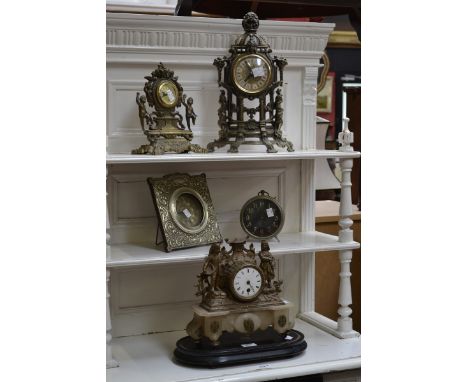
(263, 196)
(241, 57)
(159, 98)
(173, 209)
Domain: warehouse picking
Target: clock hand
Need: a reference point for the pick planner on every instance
(251, 74)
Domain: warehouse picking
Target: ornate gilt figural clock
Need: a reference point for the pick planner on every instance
(241, 317)
(164, 127)
(250, 73)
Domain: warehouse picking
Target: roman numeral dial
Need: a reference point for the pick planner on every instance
(251, 73)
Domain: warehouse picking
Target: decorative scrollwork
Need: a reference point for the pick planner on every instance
(165, 124)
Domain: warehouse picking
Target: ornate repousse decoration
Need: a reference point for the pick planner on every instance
(250, 73)
(164, 127)
(174, 233)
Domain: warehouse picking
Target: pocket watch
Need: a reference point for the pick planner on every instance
(251, 73)
(246, 283)
(262, 217)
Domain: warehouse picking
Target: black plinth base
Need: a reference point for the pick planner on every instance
(234, 348)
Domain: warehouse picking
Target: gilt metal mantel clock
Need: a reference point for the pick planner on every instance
(241, 317)
(164, 127)
(251, 103)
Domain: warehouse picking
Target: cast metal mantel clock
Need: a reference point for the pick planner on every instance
(164, 127)
(250, 73)
(242, 317)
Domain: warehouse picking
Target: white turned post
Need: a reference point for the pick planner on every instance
(345, 138)
(110, 361)
(345, 323)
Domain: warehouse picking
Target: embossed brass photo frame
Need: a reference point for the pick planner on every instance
(186, 216)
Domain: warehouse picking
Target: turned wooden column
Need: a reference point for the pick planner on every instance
(345, 322)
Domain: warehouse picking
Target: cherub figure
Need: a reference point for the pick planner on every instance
(189, 112)
(142, 113)
(267, 263)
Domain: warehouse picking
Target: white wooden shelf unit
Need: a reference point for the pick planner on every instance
(150, 291)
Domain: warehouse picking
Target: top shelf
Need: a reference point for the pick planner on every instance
(228, 157)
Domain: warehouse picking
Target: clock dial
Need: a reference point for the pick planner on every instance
(189, 211)
(251, 73)
(262, 218)
(167, 93)
(247, 283)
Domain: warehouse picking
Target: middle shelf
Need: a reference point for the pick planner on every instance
(228, 157)
(140, 254)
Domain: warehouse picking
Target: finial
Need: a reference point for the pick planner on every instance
(346, 137)
(250, 22)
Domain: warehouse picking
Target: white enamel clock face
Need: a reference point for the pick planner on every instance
(251, 73)
(247, 283)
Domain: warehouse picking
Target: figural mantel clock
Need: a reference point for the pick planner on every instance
(164, 127)
(251, 103)
(242, 317)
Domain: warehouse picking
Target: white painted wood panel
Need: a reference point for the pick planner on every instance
(132, 213)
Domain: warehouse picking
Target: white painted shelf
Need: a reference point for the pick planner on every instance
(229, 157)
(148, 358)
(129, 255)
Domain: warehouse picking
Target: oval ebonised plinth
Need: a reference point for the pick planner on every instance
(236, 348)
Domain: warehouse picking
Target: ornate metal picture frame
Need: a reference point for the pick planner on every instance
(185, 212)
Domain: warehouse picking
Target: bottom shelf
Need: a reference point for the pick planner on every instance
(148, 358)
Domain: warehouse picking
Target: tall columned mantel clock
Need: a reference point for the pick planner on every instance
(250, 74)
